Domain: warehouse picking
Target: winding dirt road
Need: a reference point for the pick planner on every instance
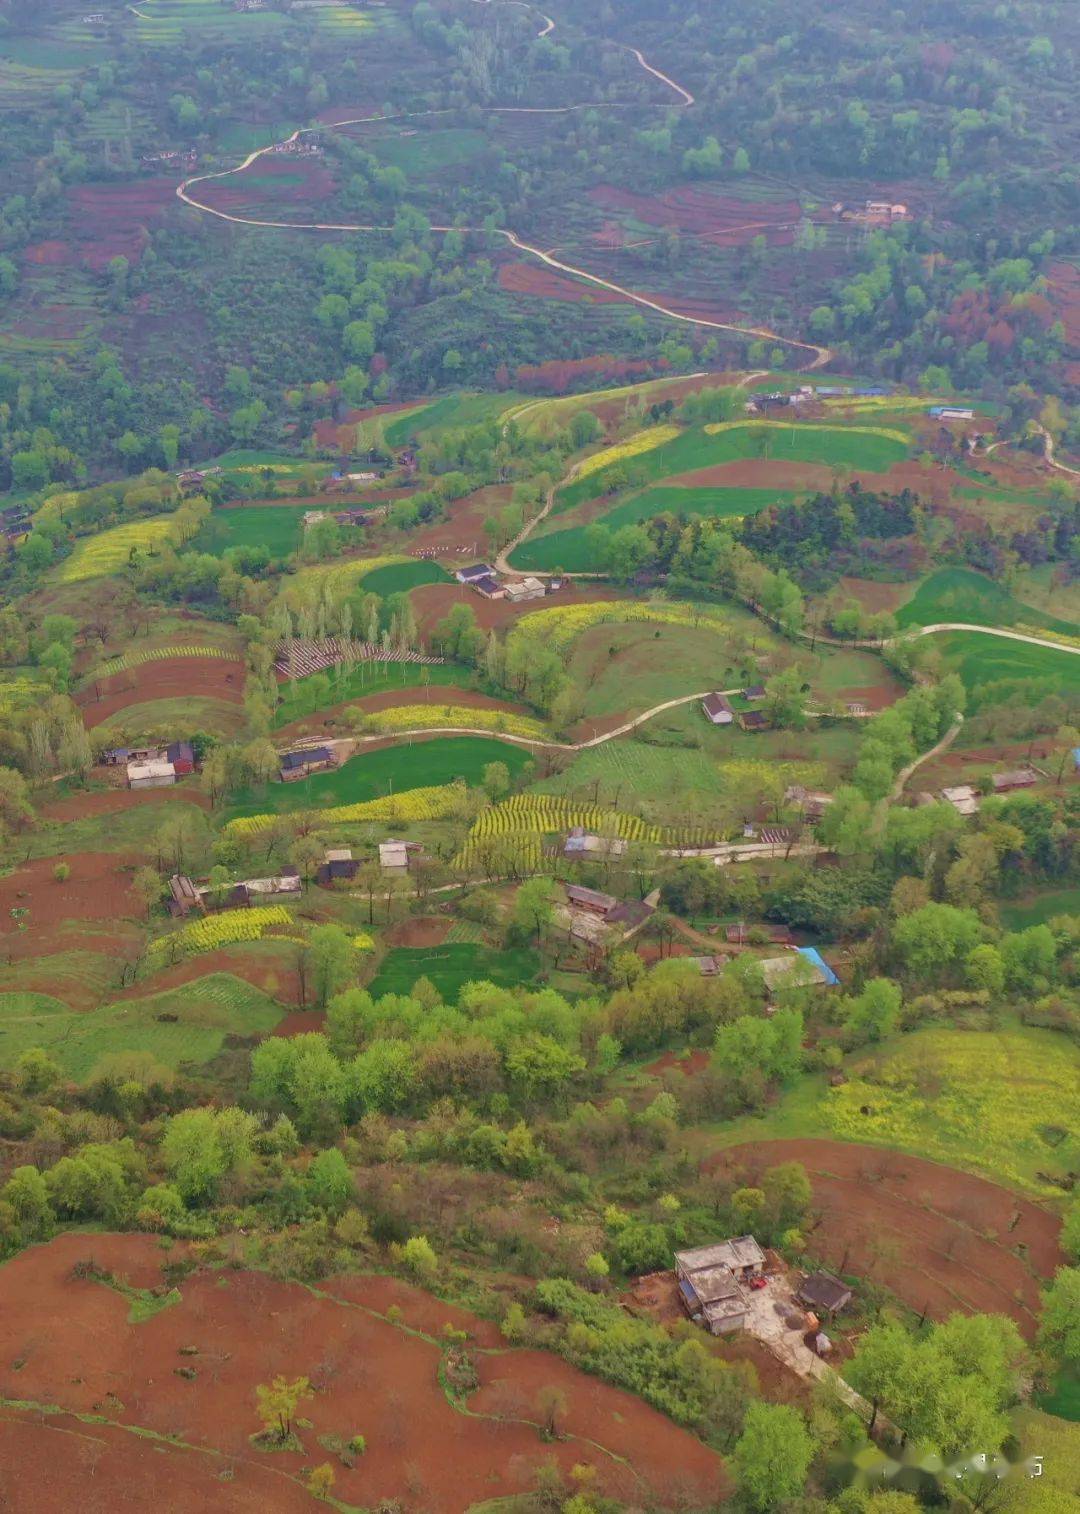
(819, 356)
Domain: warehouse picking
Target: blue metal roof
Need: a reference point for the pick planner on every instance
(812, 954)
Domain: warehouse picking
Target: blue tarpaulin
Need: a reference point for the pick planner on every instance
(812, 954)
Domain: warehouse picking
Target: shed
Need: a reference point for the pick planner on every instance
(473, 572)
(393, 856)
(182, 756)
(718, 709)
(1018, 778)
(590, 899)
(488, 587)
(581, 843)
(817, 961)
(823, 1293)
(526, 588)
(755, 691)
(150, 775)
(344, 870)
(962, 797)
(754, 720)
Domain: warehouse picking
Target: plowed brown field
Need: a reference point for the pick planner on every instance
(67, 1341)
(169, 678)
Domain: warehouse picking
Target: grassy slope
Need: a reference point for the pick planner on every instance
(206, 1012)
(451, 965)
(373, 774)
(973, 1100)
(983, 659)
(961, 594)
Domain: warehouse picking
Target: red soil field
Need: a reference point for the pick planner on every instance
(118, 215)
(300, 1022)
(428, 930)
(116, 801)
(99, 888)
(327, 431)
(460, 533)
(720, 219)
(171, 678)
(536, 278)
(76, 1349)
(941, 1240)
(251, 188)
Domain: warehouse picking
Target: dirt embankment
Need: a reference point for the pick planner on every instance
(72, 1345)
(169, 678)
(940, 1239)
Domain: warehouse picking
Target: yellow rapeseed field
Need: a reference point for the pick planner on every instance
(562, 624)
(634, 446)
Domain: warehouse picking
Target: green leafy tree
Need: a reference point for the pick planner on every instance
(1059, 1330)
(772, 1455)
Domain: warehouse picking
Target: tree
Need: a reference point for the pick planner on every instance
(785, 700)
(872, 1015)
(496, 781)
(278, 1402)
(146, 886)
(321, 1480)
(935, 939)
(534, 907)
(1059, 1331)
(331, 959)
(200, 1146)
(772, 1455)
(28, 1195)
(329, 1181)
(419, 1257)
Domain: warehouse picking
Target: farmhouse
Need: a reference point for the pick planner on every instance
(337, 866)
(590, 901)
(394, 856)
(154, 774)
(182, 756)
(708, 967)
(711, 1282)
(717, 709)
(754, 720)
(517, 591)
(474, 572)
(313, 760)
(823, 1294)
(962, 797)
(805, 967)
(1019, 778)
(185, 896)
(755, 691)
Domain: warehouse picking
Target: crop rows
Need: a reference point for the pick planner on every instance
(562, 624)
(298, 659)
(433, 803)
(123, 661)
(223, 929)
(634, 446)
